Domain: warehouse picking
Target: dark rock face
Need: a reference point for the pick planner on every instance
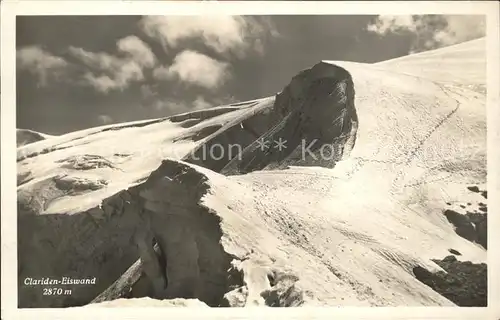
(480, 221)
(463, 226)
(465, 283)
(315, 120)
(283, 292)
(472, 226)
(455, 252)
(104, 242)
(473, 188)
(196, 264)
(228, 142)
(313, 117)
(94, 243)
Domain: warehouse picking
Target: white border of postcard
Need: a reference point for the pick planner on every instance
(9, 10)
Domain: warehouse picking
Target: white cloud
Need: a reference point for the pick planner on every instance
(137, 50)
(109, 72)
(461, 28)
(225, 100)
(432, 31)
(113, 72)
(162, 73)
(390, 23)
(195, 68)
(200, 103)
(147, 92)
(104, 83)
(41, 63)
(97, 61)
(222, 33)
(178, 106)
(104, 119)
(171, 106)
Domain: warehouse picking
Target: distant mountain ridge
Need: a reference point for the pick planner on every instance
(24, 137)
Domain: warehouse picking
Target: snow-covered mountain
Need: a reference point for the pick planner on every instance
(348, 188)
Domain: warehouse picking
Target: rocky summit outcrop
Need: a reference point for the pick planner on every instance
(331, 193)
(316, 121)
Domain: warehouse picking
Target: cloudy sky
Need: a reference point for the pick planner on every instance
(76, 72)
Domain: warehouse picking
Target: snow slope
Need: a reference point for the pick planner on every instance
(394, 145)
